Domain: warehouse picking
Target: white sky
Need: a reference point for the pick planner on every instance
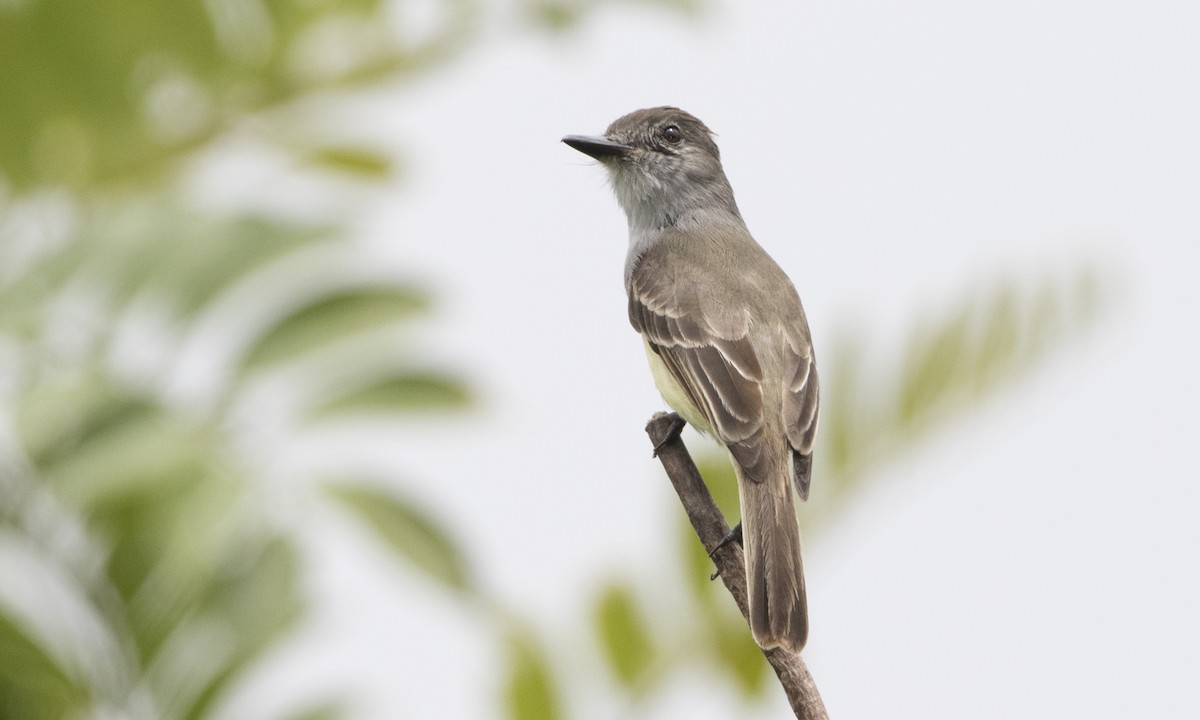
(1037, 561)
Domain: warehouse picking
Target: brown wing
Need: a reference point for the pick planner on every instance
(709, 353)
(801, 402)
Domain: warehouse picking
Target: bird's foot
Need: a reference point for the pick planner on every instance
(677, 426)
(734, 535)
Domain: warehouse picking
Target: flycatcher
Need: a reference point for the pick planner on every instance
(726, 336)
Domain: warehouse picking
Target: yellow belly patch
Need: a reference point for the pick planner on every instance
(674, 393)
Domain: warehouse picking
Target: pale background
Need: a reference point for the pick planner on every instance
(1037, 560)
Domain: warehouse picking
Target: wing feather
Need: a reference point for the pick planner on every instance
(801, 403)
(720, 373)
(707, 347)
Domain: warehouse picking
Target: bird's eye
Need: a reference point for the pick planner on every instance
(671, 134)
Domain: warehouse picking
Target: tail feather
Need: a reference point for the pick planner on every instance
(774, 568)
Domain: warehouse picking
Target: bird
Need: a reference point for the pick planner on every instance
(726, 337)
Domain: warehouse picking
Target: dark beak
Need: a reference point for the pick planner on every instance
(597, 147)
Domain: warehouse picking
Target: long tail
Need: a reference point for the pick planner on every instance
(774, 569)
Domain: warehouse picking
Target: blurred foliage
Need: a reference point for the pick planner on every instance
(32, 685)
(142, 569)
(531, 690)
(341, 313)
(97, 92)
(407, 530)
(957, 356)
(564, 14)
(624, 636)
(189, 578)
(328, 711)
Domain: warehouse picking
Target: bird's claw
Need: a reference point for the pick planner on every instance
(677, 426)
(734, 535)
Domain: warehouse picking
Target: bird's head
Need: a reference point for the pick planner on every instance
(663, 164)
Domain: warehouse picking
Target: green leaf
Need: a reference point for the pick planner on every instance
(81, 110)
(624, 636)
(407, 392)
(259, 597)
(562, 15)
(331, 318)
(195, 257)
(407, 530)
(530, 692)
(358, 161)
(935, 366)
(150, 248)
(556, 15)
(32, 685)
(1000, 339)
(737, 652)
(988, 340)
(331, 710)
(185, 257)
(56, 416)
(957, 358)
(138, 452)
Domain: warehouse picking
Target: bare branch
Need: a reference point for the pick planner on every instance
(710, 526)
